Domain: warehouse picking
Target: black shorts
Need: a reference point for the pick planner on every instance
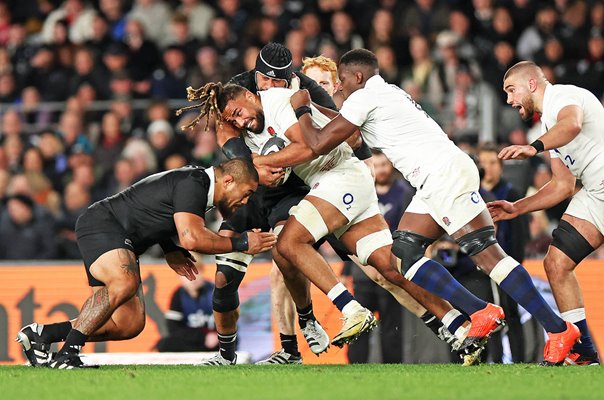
(97, 232)
(268, 206)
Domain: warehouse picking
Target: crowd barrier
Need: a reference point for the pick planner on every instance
(51, 293)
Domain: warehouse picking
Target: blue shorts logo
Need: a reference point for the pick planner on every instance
(348, 199)
(475, 197)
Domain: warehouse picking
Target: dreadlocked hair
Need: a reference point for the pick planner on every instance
(213, 99)
(208, 96)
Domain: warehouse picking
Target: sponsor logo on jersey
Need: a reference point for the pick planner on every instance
(271, 131)
(475, 197)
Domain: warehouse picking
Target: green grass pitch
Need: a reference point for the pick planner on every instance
(309, 382)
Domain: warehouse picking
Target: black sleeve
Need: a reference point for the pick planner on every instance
(236, 148)
(245, 79)
(191, 193)
(317, 93)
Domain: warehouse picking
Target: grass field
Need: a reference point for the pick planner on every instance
(334, 382)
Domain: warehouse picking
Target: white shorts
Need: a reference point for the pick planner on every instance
(586, 206)
(450, 195)
(349, 187)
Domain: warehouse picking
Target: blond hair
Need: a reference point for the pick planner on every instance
(323, 63)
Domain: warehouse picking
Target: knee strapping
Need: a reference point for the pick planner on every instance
(569, 241)
(236, 260)
(226, 298)
(478, 240)
(370, 243)
(307, 214)
(409, 247)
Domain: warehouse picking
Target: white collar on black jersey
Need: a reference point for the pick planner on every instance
(210, 172)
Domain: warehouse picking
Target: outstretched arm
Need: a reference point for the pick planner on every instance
(321, 141)
(568, 126)
(561, 187)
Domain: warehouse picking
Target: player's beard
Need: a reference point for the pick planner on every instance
(259, 117)
(224, 209)
(529, 108)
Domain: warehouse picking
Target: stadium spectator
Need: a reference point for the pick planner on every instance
(208, 68)
(343, 35)
(422, 63)
(113, 12)
(426, 17)
(189, 319)
(180, 36)
(78, 18)
(155, 16)
(199, 16)
(111, 142)
(76, 199)
(161, 137)
(471, 108)
(26, 232)
(144, 55)
(533, 37)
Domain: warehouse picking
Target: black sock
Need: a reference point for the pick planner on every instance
(58, 332)
(227, 345)
(431, 322)
(74, 342)
(289, 344)
(305, 314)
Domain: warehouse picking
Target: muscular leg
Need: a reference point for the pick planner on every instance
(507, 273)
(119, 270)
(559, 268)
(401, 295)
(126, 322)
(383, 261)
(295, 245)
(283, 305)
(428, 273)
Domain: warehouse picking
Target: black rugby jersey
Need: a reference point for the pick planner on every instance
(146, 209)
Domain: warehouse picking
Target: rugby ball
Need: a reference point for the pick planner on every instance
(273, 145)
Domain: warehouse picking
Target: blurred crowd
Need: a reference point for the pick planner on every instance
(88, 88)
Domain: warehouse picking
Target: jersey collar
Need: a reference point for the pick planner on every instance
(210, 172)
(375, 80)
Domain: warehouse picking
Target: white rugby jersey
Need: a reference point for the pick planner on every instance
(279, 116)
(254, 141)
(584, 155)
(391, 121)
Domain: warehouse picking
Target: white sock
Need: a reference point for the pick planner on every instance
(336, 291)
(576, 315)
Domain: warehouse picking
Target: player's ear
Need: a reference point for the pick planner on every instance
(359, 77)
(227, 180)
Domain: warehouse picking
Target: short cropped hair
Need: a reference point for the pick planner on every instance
(241, 170)
(323, 63)
(362, 57)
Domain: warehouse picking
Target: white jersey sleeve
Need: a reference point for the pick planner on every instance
(278, 112)
(557, 103)
(356, 108)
